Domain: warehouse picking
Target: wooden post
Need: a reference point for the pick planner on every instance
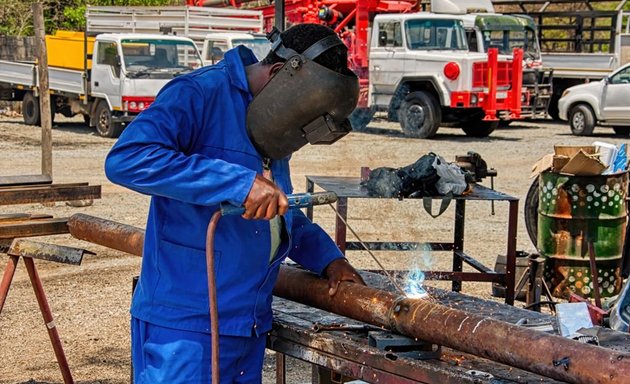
(44, 95)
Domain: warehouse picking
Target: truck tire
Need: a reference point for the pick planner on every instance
(582, 120)
(504, 123)
(30, 109)
(104, 125)
(420, 115)
(622, 131)
(360, 118)
(531, 211)
(479, 128)
(552, 109)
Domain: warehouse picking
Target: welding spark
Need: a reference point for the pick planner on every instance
(414, 287)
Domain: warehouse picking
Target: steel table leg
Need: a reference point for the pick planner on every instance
(281, 375)
(510, 266)
(48, 320)
(458, 240)
(310, 188)
(340, 226)
(7, 277)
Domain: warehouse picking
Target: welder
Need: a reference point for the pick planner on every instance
(225, 134)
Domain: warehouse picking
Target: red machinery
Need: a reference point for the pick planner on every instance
(349, 18)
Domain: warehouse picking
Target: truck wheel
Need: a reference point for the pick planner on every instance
(531, 211)
(479, 128)
(552, 109)
(582, 120)
(360, 118)
(30, 109)
(504, 123)
(420, 115)
(104, 125)
(622, 131)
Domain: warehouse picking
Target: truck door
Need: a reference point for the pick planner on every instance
(106, 71)
(615, 105)
(215, 51)
(387, 60)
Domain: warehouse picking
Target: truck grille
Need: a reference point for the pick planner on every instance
(480, 74)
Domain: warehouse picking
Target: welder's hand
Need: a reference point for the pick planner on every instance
(340, 270)
(265, 200)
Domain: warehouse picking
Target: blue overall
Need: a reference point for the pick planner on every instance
(190, 151)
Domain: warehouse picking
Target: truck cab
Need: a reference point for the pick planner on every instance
(423, 73)
(128, 70)
(506, 32)
(216, 44)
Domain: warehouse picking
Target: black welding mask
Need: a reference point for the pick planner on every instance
(304, 102)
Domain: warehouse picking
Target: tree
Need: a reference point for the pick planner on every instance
(16, 20)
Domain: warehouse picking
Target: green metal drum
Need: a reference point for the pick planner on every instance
(575, 210)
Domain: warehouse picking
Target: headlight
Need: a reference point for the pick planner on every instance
(566, 92)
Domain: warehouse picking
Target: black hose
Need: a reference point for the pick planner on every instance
(212, 296)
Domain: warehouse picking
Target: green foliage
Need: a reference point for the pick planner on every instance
(16, 18)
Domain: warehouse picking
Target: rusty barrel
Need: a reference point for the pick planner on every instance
(576, 210)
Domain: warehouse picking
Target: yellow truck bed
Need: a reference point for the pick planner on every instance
(66, 49)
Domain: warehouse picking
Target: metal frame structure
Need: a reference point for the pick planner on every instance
(349, 188)
(38, 189)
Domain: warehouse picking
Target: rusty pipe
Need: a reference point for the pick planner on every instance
(495, 340)
(107, 233)
(506, 343)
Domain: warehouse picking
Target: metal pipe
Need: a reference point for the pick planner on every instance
(212, 297)
(107, 233)
(534, 351)
(515, 346)
(7, 277)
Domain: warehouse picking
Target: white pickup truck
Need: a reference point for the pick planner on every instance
(126, 73)
(604, 102)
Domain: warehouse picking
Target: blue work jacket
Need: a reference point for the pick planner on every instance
(190, 151)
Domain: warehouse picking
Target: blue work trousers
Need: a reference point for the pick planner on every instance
(166, 355)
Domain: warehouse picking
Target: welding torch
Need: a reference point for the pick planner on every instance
(296, 201)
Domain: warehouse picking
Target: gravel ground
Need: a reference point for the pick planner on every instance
(90, 302)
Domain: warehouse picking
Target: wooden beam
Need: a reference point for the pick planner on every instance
(9, 181)
(44, 94)
(30, 228)
(41, 186)
(13, 217)
(44, 195)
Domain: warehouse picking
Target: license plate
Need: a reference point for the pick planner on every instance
(501, 95)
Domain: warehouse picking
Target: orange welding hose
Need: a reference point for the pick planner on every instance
(212, 296)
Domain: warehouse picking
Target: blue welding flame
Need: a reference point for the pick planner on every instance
(414, 286)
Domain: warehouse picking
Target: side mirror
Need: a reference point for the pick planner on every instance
(382, 38)
(118, 62)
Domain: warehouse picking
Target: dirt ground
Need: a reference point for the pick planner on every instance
(90, 302)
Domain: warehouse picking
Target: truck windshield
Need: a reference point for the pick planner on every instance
(507, 40)
(159, 58)
(435, 34)
(260, 46)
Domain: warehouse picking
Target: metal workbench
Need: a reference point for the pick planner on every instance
(350, 188)
(338, 355)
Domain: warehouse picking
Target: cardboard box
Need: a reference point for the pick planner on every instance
(542, 165)
(559, 161)
(572, 150)
(583, 164)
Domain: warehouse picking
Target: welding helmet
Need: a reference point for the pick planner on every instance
(304, 102)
